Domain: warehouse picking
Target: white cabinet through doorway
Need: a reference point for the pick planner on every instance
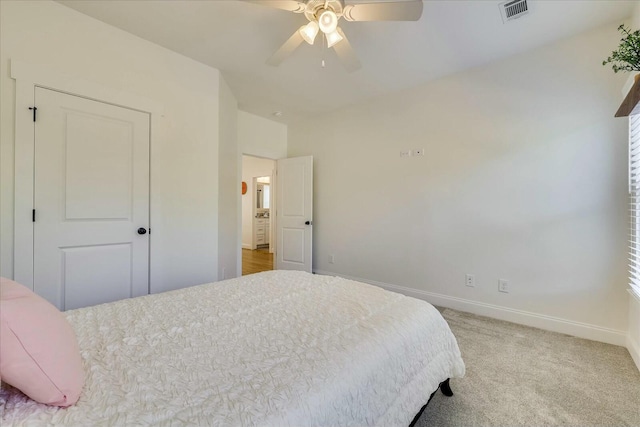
(262, 230)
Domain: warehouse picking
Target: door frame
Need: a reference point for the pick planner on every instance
(27, 78)
(272, 201)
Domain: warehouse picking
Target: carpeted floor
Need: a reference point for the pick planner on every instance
(524, 376)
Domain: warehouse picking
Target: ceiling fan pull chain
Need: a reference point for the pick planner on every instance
(324, 38)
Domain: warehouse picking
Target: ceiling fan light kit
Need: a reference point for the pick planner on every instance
(324, 15)
(333, 38)
(309, 32)
(328, 21)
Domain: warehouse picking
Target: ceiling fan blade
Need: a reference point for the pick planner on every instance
(384, 11)
(286, 49)
(290, 5)
(346, 54)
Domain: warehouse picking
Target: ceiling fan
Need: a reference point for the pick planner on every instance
(324, 15)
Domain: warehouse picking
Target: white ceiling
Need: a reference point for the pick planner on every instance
(237, 37)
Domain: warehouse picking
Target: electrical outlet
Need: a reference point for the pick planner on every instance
(418, 151)
(503, 286)
(470, 280)
(405, 153)
(332, 258)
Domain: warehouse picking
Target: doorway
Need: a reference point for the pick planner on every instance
(258, 242)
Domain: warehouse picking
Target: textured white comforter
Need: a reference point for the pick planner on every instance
(275, 348)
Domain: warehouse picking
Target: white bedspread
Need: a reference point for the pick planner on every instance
(275, 348)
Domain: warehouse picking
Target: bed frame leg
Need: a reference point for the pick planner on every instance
(445, 388)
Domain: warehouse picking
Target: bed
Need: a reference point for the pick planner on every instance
(274, 348)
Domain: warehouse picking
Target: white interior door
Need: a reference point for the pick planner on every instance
(294, 215)
(91, 201)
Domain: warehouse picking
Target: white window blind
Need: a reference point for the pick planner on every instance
(634, 202)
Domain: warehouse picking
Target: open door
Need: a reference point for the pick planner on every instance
(294, 213)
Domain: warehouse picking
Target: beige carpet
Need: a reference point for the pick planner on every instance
(524, 376)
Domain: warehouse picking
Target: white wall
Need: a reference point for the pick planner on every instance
(184, 146)
(635, 18)
(261, 137)
(252, 167)
(524, 179)
(229, 205)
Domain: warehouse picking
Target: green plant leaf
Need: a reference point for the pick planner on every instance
(627, 56)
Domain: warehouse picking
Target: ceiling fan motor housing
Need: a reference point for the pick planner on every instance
(315, 6)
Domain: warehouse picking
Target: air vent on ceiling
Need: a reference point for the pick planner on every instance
(513, 9)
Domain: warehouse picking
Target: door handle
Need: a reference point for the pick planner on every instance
(142, 230)
(308, 223)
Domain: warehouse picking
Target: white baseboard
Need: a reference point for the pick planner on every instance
(246, 246)
(541, 321)
(633, 337)
(634, 350)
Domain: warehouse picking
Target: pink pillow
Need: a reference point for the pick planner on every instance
(39, 353)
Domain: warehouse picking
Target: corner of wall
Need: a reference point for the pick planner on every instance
(633, 335)
(229, 167)
(635, 17)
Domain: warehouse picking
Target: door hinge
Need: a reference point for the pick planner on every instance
(33, 215)
(34, 109)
